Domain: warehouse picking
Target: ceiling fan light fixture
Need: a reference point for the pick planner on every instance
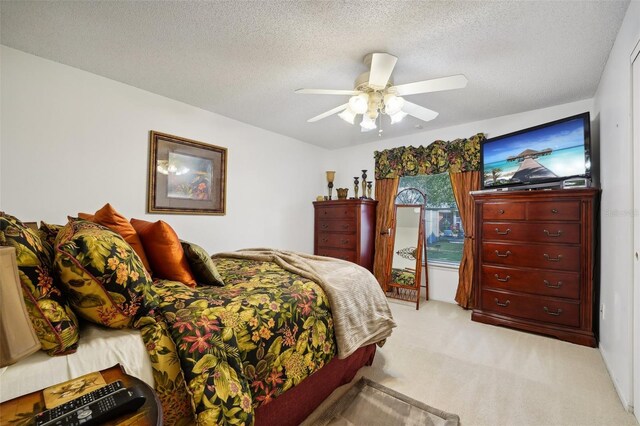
(359, 103)
(392, 103)
(368, 123)
(397, 117)
(348, 115)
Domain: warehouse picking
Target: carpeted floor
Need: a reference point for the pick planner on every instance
(492, 375)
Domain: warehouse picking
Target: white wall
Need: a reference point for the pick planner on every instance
(349, 162)
(612, 106)
(72, 141)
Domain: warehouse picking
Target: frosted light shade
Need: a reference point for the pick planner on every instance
(348, 115)
(17, 337)
(398, 116)
(331, 175)
(392, 103)
(368, 123)
(359, 103)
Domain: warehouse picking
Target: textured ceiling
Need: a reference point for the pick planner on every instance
(244, 59)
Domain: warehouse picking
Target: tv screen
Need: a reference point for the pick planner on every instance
(550, 152)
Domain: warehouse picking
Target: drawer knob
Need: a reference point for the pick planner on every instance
(554, 211)
(553, 259)
(504, 305)
(326, 212)
(324, 240)
(345, 226)
(500, 211)
(550, 234)
(557, 285)
(506, 232)
(505, 254)
(503, 280)
(324, 226)
(344, 241)
(556, 313)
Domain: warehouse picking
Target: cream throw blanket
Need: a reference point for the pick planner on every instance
(361, 314)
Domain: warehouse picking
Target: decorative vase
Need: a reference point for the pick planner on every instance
(342, 193)
(356, 186)
(369, 184)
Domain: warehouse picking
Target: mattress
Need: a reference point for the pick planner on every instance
(99, 348)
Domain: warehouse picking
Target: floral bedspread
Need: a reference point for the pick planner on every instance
(220, 352)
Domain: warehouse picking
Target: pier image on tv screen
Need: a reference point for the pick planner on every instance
(543, 154)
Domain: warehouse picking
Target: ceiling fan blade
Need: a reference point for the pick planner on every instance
(382, 65)
(435, 85)
(328, 113)
(327, 92)
(418, 111)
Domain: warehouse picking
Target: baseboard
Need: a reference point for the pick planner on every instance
(625, 403)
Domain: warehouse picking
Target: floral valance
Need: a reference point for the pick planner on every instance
(460, 155)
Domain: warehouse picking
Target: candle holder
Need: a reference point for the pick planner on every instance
(369, 184)
(364, 184)
(331, 175)
(356, 186)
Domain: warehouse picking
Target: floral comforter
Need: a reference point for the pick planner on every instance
(220, 352)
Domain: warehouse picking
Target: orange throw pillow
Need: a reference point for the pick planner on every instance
(87, 216)
(165, 251)
(109, 217)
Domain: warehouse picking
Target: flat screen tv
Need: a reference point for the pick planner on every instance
(548, 153)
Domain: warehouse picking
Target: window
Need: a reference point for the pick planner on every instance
(443, 226)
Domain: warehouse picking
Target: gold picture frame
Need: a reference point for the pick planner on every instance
(185, 176)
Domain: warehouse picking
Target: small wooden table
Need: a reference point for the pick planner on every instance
(21, 410)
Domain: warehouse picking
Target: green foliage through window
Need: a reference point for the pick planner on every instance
(443, 226)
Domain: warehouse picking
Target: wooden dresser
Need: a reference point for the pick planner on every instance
(535, 261)
(345, 229)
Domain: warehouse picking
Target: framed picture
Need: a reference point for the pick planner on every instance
(185, 176)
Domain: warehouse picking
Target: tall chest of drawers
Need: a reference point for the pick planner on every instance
(535, 261)
(345, 229)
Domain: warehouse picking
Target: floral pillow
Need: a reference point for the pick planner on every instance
(53, 320)
(103, 276)
(49, 232)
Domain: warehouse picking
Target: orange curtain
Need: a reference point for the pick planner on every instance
(386, 190)
(462, 183)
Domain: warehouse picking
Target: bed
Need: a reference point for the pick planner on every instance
(267, 348)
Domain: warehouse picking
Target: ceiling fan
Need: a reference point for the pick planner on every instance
(374, 94)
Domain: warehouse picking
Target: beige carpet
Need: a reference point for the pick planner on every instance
(491, 375)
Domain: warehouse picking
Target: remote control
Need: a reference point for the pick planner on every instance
(61, 410)
(106, 408)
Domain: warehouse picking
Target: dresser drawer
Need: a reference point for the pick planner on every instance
(349, 255)
(335, 213)
(554, 210)
(345, 241)
(541, 282)
(532, 307)
(503, 211)
(564, 258)
(347, 226)
(538, 232)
